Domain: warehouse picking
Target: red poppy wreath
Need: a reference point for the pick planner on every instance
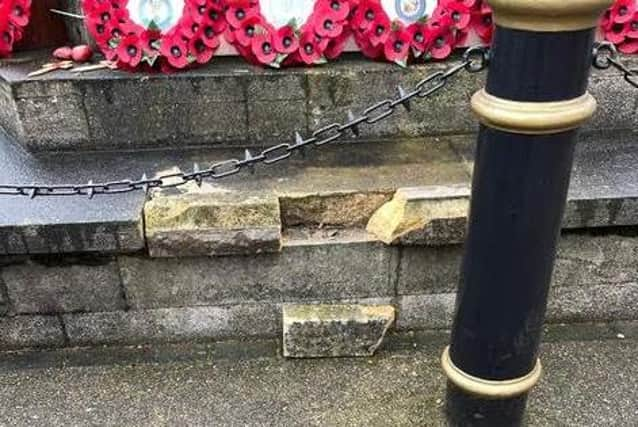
(14, 16)
(152, 34)
(404, 30)
(619, 25)
(290, 32)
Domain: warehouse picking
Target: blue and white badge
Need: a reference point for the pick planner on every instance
(164, 14)
(408, 11)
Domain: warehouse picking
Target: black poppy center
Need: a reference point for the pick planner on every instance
(309, 48)
(131, 50)
(266, 47)
(240, 14)
(287, 41)
(176, 52)
(328, 25)
(398, 45)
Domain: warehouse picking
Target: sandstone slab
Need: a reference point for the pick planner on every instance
(426, 215)
(311, 331)
(198, 222)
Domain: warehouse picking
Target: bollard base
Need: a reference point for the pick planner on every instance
(466, 410)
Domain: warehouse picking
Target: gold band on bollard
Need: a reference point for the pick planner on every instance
(489, 389)
(548, 15)
(532, 118)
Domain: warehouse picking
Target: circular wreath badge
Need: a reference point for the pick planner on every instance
(413, 34)
(192, 39)
(321, 37)
(14, 17)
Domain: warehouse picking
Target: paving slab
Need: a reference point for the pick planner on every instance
(590, 381)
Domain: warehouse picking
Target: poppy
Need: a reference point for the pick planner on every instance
(397, 46)
(285, 40)
(419, 36)
(338, 9)
(379, 31)
(200, 50)
(622, 11)
(309, 52)
(20, 12)
(237, 13)
(175, 49)
(327, 26)
(483, 23)
(248, 30)
(130, 50)
(617, 32)
(460, 14)
(442, 42)
(366, 14)
(263, 48)
(215, 18)
(632, 31)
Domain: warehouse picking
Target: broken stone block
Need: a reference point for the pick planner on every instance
(194, 221)
(432, 215)
(312, 331)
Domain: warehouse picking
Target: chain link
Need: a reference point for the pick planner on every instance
(606, 56)
(475, 59)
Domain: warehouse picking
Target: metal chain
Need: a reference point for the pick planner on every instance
(475, 59)
(606, 56)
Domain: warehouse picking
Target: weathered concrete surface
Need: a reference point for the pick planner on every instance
(21, 332)
(334, 330)
(569, 304)
(300, 272)
(204, 222)
(434, 215)
(231, 102)
(173, 324)
(62, 285)
(239, 321)
(585, 383)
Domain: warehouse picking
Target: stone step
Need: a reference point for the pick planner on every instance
(231, 103)
(80, 272)
(76, 300)
(339, 186)
(589, 379)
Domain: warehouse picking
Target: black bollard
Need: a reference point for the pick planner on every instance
(535, 99)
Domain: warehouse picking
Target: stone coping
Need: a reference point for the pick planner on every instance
(231, 103)
(338, 187)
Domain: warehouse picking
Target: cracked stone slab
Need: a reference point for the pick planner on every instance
(199, 221)
(428, 215)
(323, 330)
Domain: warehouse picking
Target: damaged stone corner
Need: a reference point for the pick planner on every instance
(205, 220)
(431, 215)
(335, 330)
